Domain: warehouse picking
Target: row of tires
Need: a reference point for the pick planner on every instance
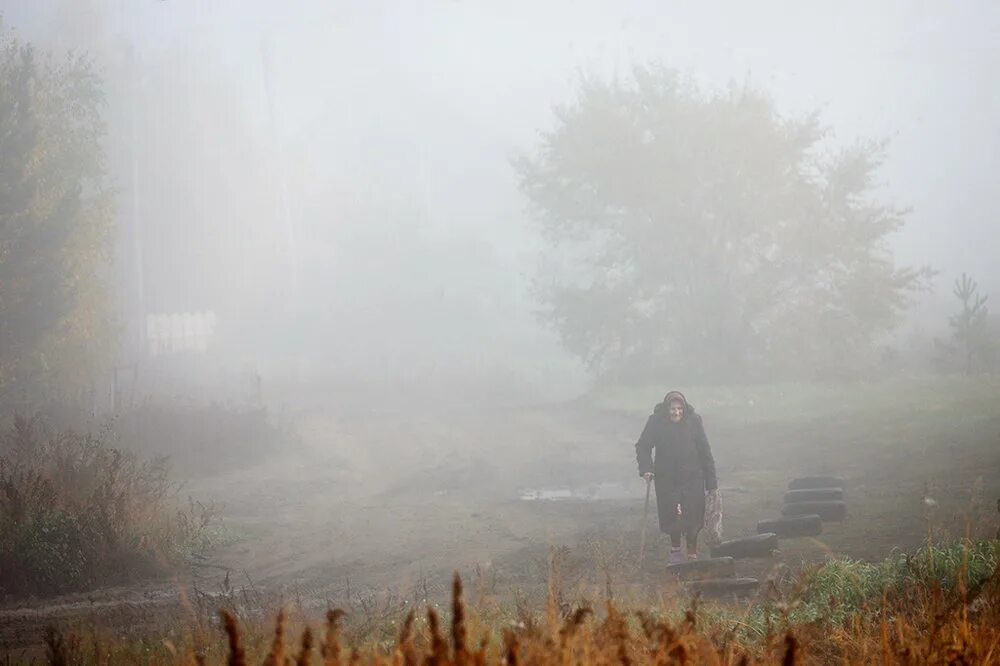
(809, 502)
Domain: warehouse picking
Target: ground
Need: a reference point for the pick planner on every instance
(381, 506)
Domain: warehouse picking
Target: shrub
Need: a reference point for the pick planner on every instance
(75, 513)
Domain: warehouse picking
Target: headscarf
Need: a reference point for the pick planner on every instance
(675, 396)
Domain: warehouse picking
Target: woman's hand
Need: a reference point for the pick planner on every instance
(648, 476)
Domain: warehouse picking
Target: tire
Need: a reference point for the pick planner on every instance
(725, 587)
(713, 568)
(814, 495)
(827, 511)
(759, 545)
(796, 526)
(810, 482)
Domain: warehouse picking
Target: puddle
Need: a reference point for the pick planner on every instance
(531, 494)
(597, 492)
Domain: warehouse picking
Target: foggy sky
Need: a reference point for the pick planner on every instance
(425, 103)
(468, 84)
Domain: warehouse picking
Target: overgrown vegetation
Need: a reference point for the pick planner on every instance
(75, 513)
(938, 605)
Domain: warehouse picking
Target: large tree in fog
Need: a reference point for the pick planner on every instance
(55, 219)
(709, 237)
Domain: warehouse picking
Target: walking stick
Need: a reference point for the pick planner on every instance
(645, 515)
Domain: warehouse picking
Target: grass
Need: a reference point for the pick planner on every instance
(76, 513)
(940, 604)
(845, 590)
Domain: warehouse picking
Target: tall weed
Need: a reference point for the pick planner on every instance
(75, 512)
(929, 626)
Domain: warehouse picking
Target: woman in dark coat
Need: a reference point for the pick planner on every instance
(683, 471)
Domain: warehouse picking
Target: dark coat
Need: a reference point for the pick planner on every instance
(683, 468)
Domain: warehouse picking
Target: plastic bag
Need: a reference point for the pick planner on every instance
(713, 518)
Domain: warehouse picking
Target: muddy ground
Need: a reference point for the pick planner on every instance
(381, 506)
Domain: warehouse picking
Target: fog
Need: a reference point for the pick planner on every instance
(384, 278)
(345, 169)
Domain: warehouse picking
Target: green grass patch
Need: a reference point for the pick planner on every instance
(843, 590)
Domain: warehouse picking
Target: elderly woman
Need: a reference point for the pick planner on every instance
(683, 470)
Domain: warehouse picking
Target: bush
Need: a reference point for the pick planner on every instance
(75, 513)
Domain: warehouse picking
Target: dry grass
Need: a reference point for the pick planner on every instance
(76, 512)
(927, 624)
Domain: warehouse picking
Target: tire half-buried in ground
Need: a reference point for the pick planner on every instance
(827, 511)
(805, 482)
(814, 495)
(794, 526)
(715, 567)
(725, 587)
(760, 545)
